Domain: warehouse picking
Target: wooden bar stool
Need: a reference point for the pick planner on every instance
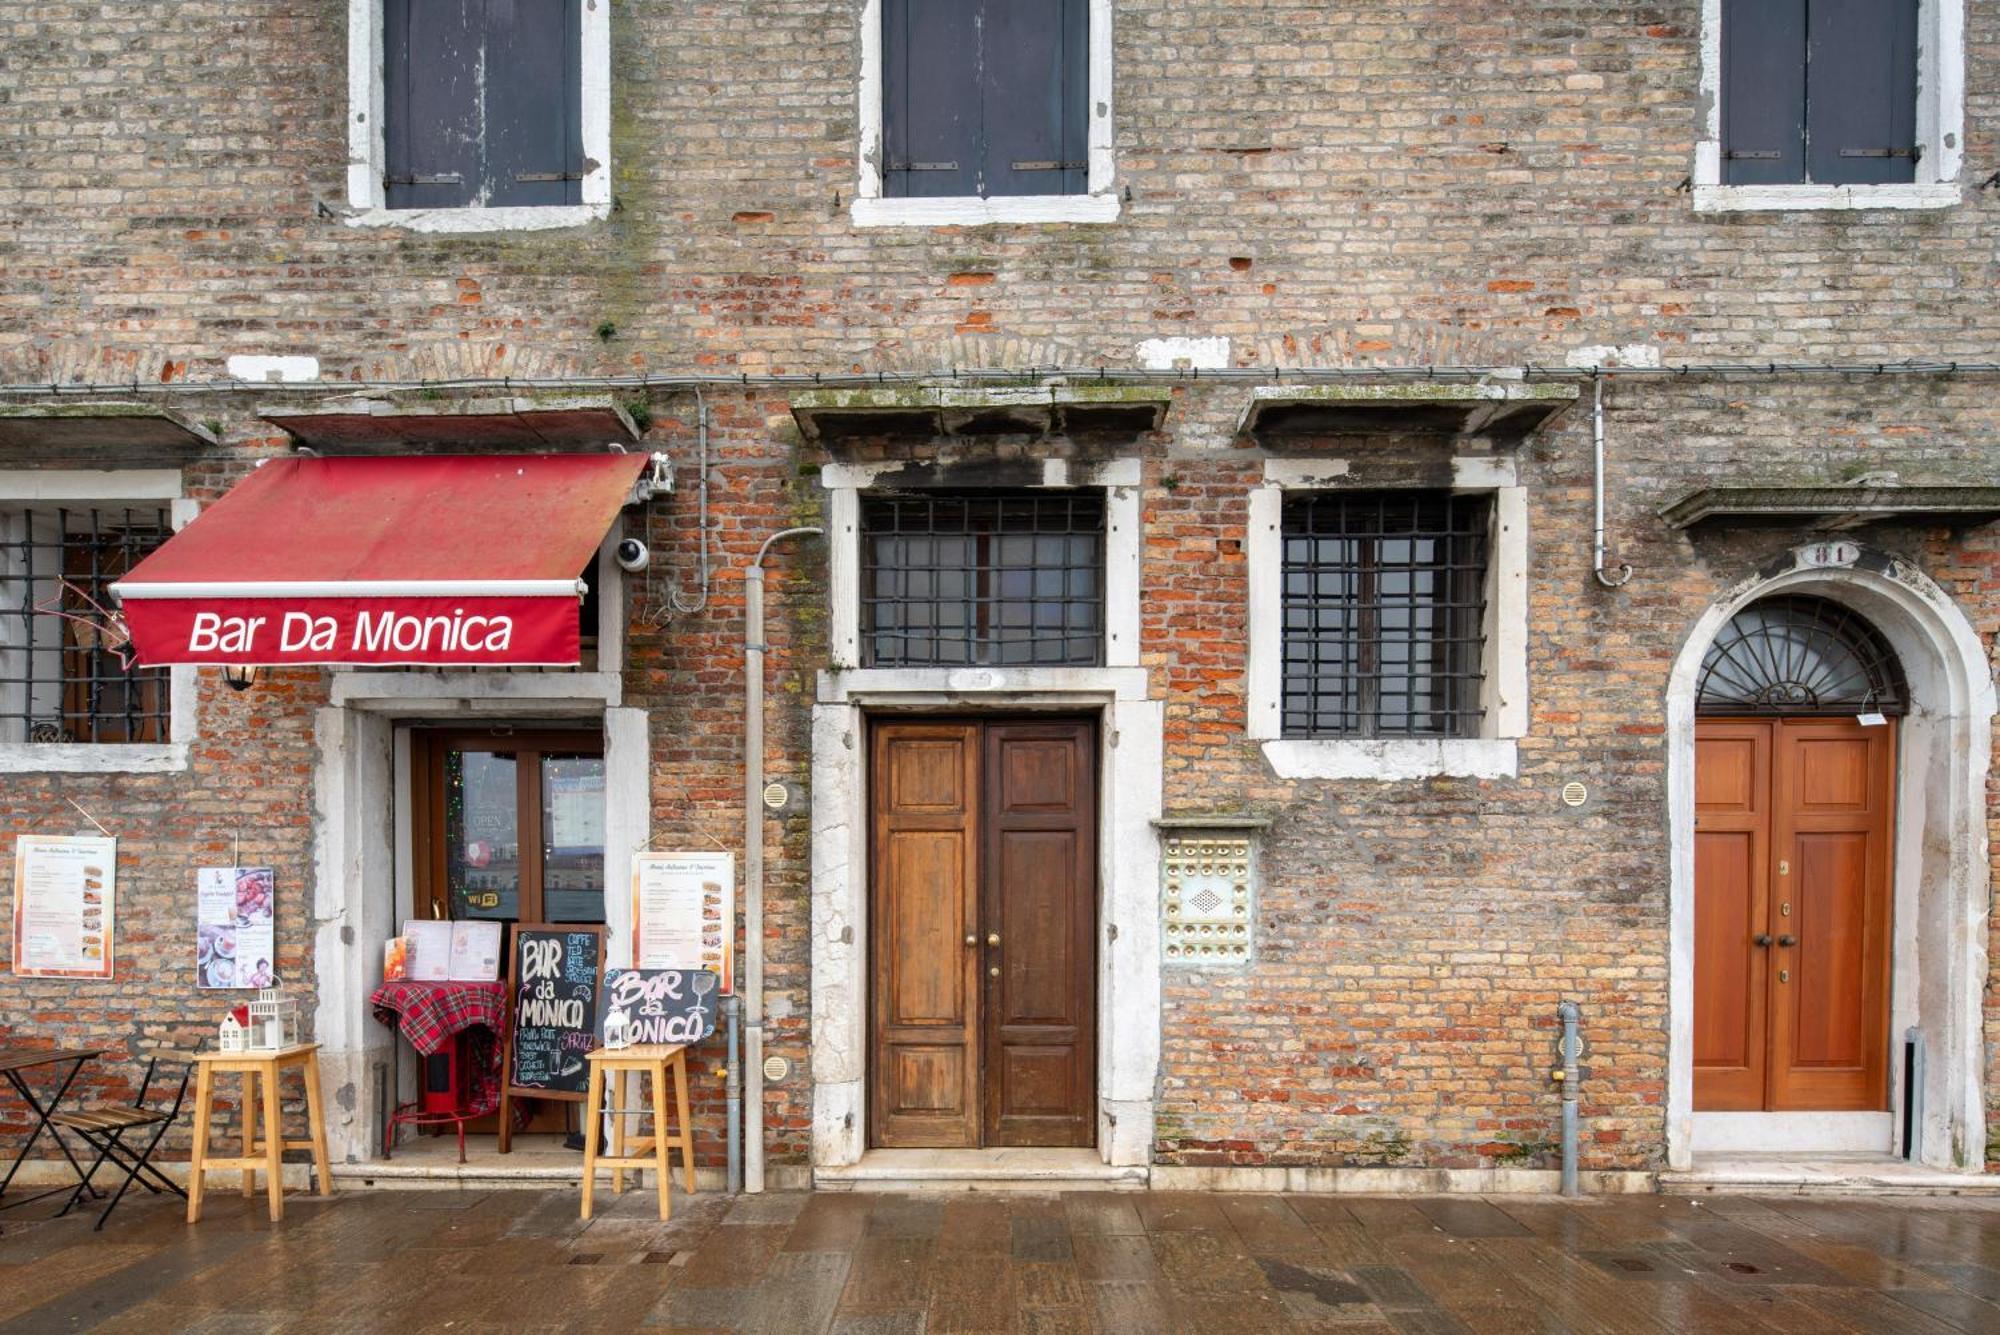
(652, 1060)
(270, 1153)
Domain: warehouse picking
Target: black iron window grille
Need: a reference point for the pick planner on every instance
(59, 679)
(1384, 613)
(1800, 655)
(993, 578)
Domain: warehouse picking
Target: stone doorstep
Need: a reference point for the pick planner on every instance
(1827, 1174)
(980, 1170)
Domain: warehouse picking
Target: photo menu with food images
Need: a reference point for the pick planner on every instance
(236, 944)
(65, 905)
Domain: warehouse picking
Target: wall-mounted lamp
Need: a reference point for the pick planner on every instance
(240, 676)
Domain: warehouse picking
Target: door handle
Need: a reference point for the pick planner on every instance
(993, 972)
(1762, 938)
(971, 939)
(1788, 940)
(993, 939)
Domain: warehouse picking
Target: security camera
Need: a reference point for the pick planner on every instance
(633, 554)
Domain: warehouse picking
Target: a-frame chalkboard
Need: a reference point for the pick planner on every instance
(555, 972)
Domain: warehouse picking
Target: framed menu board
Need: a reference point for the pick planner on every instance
(554, 973)
(65, 905)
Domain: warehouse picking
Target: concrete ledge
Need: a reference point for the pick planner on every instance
(1395, 1181)
(979, 1170)
(1824, 1173)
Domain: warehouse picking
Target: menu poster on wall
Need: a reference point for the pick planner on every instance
(65, 898)
(684, 913)
(235, 942)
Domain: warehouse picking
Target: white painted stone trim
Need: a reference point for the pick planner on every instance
(1942, 875)
(31, 487)
(1505, 691)
(1940, 128)
(1123, 551)
(1793, 1133)
(1393, 760)
(1132, 735)
(1099, 203)
(367, 155)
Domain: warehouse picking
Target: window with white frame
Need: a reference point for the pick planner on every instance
(472, 115)
(1388, 628)
(1831, 104)
(69, 701)
(63, 678)
(985, 111)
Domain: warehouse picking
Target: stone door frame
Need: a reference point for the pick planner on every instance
(1941, 893)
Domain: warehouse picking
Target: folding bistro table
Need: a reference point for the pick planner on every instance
(15, 1061)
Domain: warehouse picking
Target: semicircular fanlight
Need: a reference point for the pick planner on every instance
(1800, 655)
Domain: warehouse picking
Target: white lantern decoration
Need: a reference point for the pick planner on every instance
(274, 1020)
(617, 1029)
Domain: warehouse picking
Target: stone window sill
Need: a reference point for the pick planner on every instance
(1389, 761)
(512, 219)
(92, 758)
(973, 212)
(1786, 198)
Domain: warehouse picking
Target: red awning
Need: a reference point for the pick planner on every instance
(432, 560)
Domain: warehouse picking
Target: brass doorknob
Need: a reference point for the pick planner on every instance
(1788, 940)
(971, 938)
(993, 938)
(993, 972)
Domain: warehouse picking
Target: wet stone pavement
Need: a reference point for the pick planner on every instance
(860, 1264)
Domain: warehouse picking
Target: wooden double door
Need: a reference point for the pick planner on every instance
(982, 912)
(1792, 914)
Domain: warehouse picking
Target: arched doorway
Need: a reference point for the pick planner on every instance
(1795, 781)
(1879, 622)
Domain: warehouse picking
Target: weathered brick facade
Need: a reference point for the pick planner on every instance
(1463, 184)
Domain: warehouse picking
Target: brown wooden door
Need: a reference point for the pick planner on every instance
(983, 905)
(1792, 902)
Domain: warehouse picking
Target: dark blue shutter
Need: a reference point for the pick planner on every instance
(1763, 92)
(1861, 91)
(534, 102)
(1035, 91)
(930, 97)
(431, 117)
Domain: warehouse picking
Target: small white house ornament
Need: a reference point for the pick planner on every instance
(230, 1035)
(617, 1029)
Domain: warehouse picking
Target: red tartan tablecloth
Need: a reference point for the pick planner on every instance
(431, 1015)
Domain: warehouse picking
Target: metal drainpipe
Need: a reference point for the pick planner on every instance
(1568, 1075)
(753, 859)
(732, 1086)
(1606, 576)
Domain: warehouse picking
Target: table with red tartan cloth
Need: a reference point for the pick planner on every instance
(431, 1015)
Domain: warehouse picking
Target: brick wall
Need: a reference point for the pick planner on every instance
(1323, 185)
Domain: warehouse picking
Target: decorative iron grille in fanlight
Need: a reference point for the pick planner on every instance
(1801, 655)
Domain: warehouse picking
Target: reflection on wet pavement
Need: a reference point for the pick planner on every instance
(475, 1261)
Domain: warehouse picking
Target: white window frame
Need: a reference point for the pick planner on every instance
(40, 488)
(1098, 204)
(1503, 693)
(367, 153)
(1940, 128)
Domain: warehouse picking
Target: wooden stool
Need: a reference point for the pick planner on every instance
(269, 1154)
(650, 1059)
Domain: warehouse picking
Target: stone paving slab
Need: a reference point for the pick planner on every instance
(469, 1262)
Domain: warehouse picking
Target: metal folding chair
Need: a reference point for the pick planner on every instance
(104, 1128)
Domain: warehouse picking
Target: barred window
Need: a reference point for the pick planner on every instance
(1384, 613)
(997, 578)
(59, 680)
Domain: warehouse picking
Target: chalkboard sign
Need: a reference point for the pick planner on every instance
(671, 1006)
(553, 977)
